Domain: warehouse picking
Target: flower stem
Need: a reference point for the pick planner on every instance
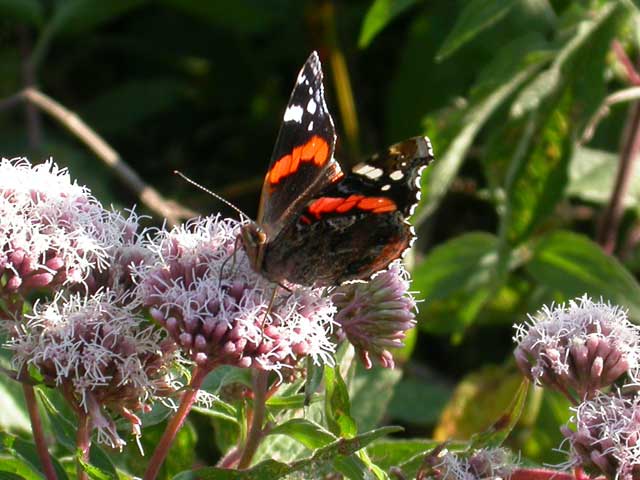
(175, 424)
(260, 384)
(83, 442)
(612, 215)
(38, 432)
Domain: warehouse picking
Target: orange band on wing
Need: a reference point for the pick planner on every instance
(342, 205)
(315, 151)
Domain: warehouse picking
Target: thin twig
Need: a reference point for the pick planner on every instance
(150, 197)
(612, 215)
(626, 95)
(34, 122)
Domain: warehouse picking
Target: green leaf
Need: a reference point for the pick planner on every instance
(13, 414)
(291, 402)
(478, 400)
(455, 278)
(495, 436)
(271, 469)
(310, 434)
(19, 467)
(391, 452)
(378, 16)
(314, 375)
(427, 398)
(370, 392)
(241, 16)
(549, 81)
(27, 11)
(476, 16)
(573, 265)
(442, 173)
(537, 179)
(337, 404)
(26, 452)
(82, 16)
(94, 472)
(592, 176)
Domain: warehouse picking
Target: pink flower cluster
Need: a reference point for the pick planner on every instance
(202, 289)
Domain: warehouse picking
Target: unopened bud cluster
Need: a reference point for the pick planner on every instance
(375, 316)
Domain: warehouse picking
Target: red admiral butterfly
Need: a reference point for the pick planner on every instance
(317, 225)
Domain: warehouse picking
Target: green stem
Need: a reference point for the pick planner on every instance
(83, 443)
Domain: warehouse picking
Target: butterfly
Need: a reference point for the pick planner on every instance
(319, 225)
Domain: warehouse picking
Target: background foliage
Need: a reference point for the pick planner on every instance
(520, 208)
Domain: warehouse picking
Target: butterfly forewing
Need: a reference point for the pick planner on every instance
(302, 163)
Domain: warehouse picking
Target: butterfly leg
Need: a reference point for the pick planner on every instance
(230, 257)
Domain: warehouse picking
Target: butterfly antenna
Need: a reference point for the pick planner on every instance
(213, 194)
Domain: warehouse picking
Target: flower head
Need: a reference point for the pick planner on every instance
(494, 463)
(202, 289)
(101, 355)
(374, 316)
(52, 231)
(583, 346)
(607, 435)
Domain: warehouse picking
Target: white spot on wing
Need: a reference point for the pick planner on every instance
(311, 106)
(386, 187)
(310, 127)
(396, 175)
(302, 78)
(293, 114)
(368, 171)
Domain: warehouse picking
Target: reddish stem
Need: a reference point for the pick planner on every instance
(260, 385)
(83, 442)
(610, 222)
(175, 424)
(626, 62)
(38, 432)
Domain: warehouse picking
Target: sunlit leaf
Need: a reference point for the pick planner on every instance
(479, 399)
(338, 404)
(371, 392)
(310, 434)
(378, 16)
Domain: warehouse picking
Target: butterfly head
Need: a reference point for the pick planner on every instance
(254, 240)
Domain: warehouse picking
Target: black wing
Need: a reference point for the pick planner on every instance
(302, 162)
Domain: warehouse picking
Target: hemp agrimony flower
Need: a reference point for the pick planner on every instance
(607, 435)
(52, 230)
(374, 316)
(202, 289)
(582, 346)
(103, 357)
(492, 463)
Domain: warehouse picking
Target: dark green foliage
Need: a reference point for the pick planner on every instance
(504, 88)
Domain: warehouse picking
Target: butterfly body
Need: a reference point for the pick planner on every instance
(318, 225)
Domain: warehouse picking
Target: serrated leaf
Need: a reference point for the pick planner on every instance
(26, 451)
(308, 433)
(337, 404)
(92, 471)
(27, 11)
(538, 177)
(19, 467)
(442, 173)
(379, 15)
(476, 16)
(573, 265)
(272, 470)
(548, 81)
